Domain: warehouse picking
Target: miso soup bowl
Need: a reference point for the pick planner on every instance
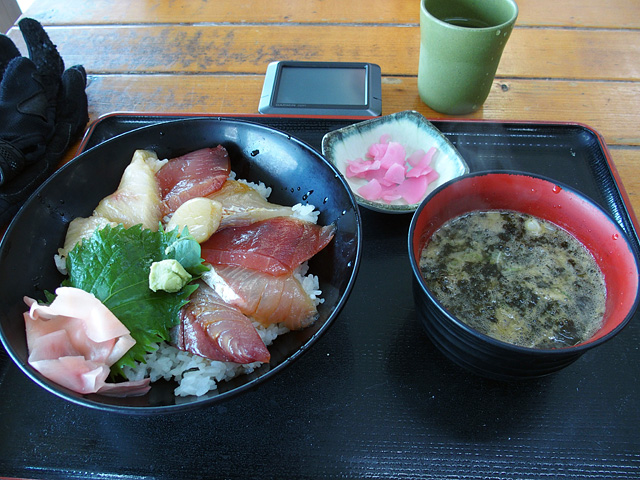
(546, 199)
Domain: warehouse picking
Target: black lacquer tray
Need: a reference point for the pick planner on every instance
(372, 398)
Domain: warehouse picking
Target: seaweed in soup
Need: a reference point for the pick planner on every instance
(515, 277)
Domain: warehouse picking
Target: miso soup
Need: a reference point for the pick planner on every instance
(516, 278)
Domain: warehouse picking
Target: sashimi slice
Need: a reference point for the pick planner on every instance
(243, 205)
(137, 199)
(216, 330)
(276, 246)
(195, 174)
(268, 299)
(81, 228)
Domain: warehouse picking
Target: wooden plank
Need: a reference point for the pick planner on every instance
(52, 12)
(580, 54)
(573, 13)
(530, 53)
(580, 13)
(613, 109)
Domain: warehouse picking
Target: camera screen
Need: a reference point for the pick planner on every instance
(299, 85)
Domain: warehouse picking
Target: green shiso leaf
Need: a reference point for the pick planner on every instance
(114, 266)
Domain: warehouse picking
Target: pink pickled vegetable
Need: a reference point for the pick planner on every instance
(371, 191)
(395, 174)
(395, 154)
(377, 150)
(413, 189)
(416, 157)
(75, 340)
(391, 175)
(359, 167)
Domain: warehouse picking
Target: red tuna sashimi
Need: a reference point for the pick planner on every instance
(276, 246)
(268, 299)
(213, 329)
(195, 174)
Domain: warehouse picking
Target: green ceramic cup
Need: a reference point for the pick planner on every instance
(461, 42)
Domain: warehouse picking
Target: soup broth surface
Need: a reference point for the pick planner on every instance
(516, 278)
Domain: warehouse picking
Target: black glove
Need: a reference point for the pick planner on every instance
(43, 109)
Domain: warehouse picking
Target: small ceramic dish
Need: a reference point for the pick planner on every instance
(415, 133)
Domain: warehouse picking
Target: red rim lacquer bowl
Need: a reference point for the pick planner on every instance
(546, 199)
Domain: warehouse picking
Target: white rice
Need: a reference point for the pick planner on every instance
(305, 212)
(310, 283)
(260, 187)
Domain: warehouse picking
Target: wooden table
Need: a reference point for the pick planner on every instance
(566, 61)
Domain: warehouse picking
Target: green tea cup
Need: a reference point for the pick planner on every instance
(461, 43)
